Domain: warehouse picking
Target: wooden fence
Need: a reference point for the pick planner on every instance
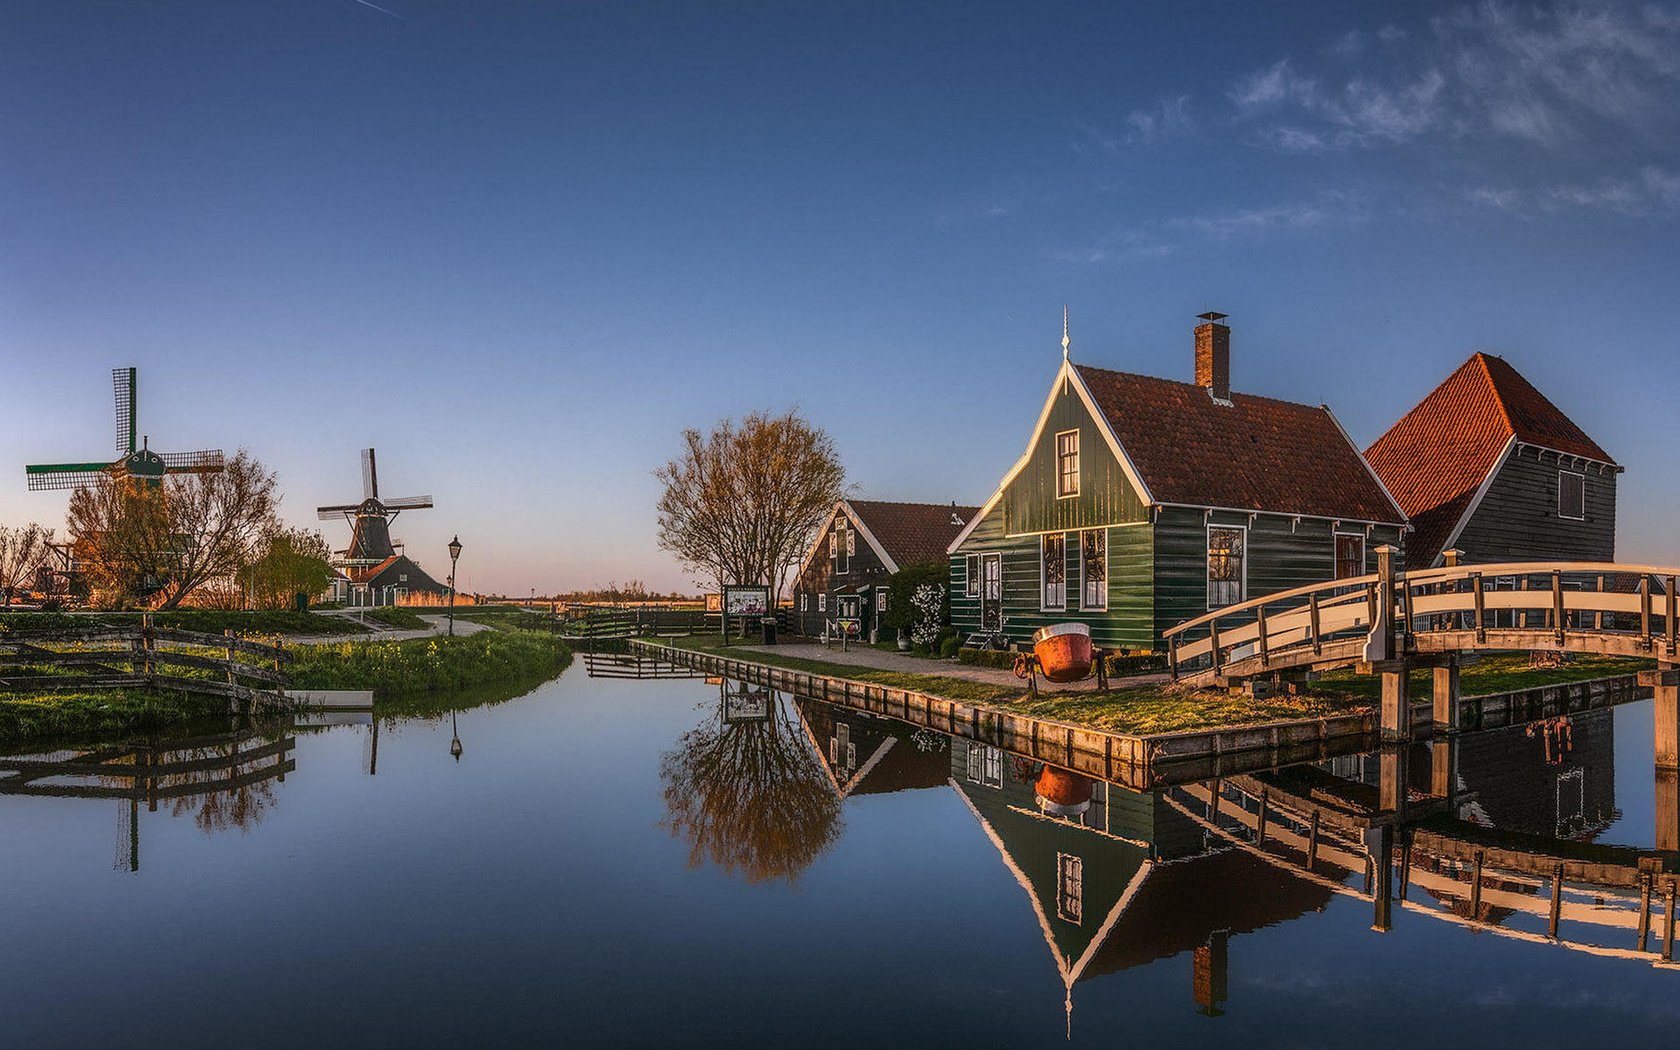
(250, 674)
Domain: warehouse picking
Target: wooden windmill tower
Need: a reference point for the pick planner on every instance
(371, 562)
(134, 458)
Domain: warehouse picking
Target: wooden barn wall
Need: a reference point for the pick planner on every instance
(1129, 620)
(1281, 554)
(819, 577)
(1106, 496)
(1518, 517)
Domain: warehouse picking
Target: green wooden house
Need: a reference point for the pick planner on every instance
(1142, 502)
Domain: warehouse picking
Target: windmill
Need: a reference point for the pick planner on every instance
(134, 458)
(370, 536)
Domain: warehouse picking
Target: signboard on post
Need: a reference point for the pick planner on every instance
(745, 704)
(744, 602)
(714, 603)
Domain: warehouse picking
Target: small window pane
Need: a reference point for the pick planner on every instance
(1054, 572)
(1067, 463)
(971, 576)
(1094, 568)
(1225, 567)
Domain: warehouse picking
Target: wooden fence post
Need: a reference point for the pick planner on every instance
(148, 642)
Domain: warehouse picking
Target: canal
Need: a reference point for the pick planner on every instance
(674, 861)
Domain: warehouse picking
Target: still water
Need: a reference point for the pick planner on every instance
(677, 862)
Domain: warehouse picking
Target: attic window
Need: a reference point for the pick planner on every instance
(1067, 464)
(1572, 495)
(1070, 888)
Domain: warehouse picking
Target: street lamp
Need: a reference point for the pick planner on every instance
(454, 556)
(455, 735)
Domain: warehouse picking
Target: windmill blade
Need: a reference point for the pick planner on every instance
(53, 476)
(333, 513)
(370, 475)
(125, 384)
(208, 461)
(408, 503)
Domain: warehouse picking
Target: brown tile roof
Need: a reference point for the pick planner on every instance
(1436, 457)
(1257, 453)
(912, 532)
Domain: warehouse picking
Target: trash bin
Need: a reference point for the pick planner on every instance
(300, 601)
(769, 630)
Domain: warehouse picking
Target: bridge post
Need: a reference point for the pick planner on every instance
(1446, 694)
(1396, 723)
(1668, 809)
(1665, 687)
(1379, 843)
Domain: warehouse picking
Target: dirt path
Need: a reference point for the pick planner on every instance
(380, 633)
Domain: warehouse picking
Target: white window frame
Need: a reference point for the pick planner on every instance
(1085, 603)
(971, 571)
(1060, 492)
(822, 601)
(1335, 556)
(1045, 601)
(804, 602)
(843, 555)
(1207, 564)
(1572, 517)
(1070, 903)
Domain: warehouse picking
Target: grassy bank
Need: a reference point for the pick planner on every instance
(1492, 673)
(419, 665)
(1138, 710)
(32, 716)
(211, 621)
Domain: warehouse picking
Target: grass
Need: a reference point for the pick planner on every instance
(1493, 673)
(396, 616)
(1136, 710)
(419, 665)
(210, 621)
(114, 712)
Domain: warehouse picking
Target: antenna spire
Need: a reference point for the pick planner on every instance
(1064, 332)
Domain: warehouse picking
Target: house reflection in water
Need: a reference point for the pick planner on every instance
(1119, 878)
(867, 755)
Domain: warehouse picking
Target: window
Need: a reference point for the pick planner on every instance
(1225, 567)
(1067, 464)
(971, 576)
(822, 602)
(1052, 572)
(1093, 566)
(804, 601)
(1070, 888)
(1350, 555)
(1572, 495)
(985, 765)
(841, 543)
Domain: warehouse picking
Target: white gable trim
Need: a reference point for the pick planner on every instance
(1392, 502)
(869, 537)
(1070, 375)
(1476, 501)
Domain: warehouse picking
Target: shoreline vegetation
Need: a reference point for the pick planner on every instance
(1148, 709)
(412, 676)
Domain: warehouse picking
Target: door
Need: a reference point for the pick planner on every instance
(991, 592)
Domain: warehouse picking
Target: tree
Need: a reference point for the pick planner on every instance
(159, 542)
(22, 550)
(751, 797)
(290, 561)
(742, 504)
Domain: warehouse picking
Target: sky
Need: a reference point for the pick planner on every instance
(518, 247)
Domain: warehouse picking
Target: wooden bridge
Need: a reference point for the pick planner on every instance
(1394, 622)
(250, 674)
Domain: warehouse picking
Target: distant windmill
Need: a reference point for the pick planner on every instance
(370, 538)
(135, 459)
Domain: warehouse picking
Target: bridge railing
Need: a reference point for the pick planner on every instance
(1597, 607)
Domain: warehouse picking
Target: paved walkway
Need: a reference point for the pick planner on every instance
(378, 632)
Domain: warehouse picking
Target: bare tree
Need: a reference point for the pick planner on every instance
(22, 550)
(741, 504)
(137, 541)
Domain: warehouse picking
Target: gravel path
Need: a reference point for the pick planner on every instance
(378, 632)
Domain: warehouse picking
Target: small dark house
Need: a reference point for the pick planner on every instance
(859, 548)
(1488, 466)
(1141, 502)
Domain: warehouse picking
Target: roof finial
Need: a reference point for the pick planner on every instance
(1064, 333)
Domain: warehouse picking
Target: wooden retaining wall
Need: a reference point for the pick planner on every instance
(1137, 762)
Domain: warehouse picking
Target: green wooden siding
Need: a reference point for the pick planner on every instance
(1518, 517)
(1106, 496)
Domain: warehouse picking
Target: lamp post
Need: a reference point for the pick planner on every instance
(455, 738)
(454, 556)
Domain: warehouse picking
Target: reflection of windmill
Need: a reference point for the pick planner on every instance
(134, 460)
(371, 564)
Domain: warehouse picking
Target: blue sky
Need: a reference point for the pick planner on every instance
(519, 246)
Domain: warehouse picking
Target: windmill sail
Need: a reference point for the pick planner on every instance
(408, 503)
(125, 384)
(208, 461)
(370, 475)
(134, 461)
(45, 477)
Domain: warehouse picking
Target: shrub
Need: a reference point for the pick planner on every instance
(948, 648)
(902, 610)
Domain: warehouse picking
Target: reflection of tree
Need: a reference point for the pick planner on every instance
(750, 796)
(242, 808)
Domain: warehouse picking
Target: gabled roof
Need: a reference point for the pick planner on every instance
(1255, 453)
(901, 534)
(1437, 457)
(908, 533)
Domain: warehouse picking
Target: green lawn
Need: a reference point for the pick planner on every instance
(25, 716)
(1493, 673)
(211, 621)
(426, 664)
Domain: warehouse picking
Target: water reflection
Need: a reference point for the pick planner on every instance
(222, 780)
(745, 791)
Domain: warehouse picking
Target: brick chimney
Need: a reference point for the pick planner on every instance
(1213, 355)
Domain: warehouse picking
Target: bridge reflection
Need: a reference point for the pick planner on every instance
(223, 780)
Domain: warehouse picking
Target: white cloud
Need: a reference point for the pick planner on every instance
(1652, 191)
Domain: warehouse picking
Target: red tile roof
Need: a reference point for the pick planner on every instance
(912, 532)
(1436, 457)
(1256, 453)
